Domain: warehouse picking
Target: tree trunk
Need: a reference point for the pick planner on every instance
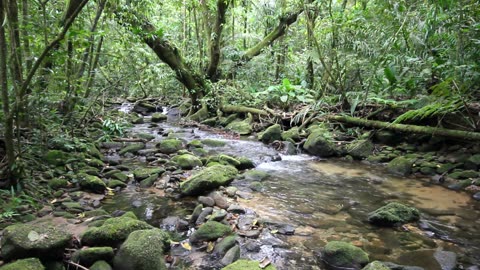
(449, 133)
(222, 6)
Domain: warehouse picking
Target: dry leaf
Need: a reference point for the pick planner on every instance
(274, 231)
(210, 247)
(174, 243)
(186, 246)
(265, 262)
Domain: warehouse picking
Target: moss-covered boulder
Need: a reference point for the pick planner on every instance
(25, 264)
(89, 256)
(101, 265)
(254, 175)
(56, 157)
(187, 161)
(225, 160)
(92, 183)
(393, 214)
(211, 230)
(143, 173)
(132, 148)
(26, 240)
(149, 181)
(213, 143)
(320, 143)
(208, 179)
(137, 119)
(120, 176)
(272, 133)
(223, 246)
(376, 265)
(158, 117)
(242, 127)
(401, 166)
(360, 149)
(463, 174)
(244, 264)
(143, 250)
(194, 144)
(113, 231)
(245, 163)
(93, 151)
(170, 146)
(116, 183)
(57, 183)
(291, 135)
(343, 255)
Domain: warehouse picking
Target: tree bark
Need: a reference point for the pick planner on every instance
(222, 6)
(449, 133)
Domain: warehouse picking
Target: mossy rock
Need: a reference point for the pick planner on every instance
(170, 146)
(211, 230)
(463, 174)
(242, 127)
(447, 167)
(224, 245)
(143, 173)
(255, 175)
(113, 231)
(56, 157)
(92, 183)
(292, 135)
(120, 176)
(96, 163)
(208, 179)
(101, 265)
(213, 143)
(57, 183)
(401, 166)
(93, 151)
(360, 149)
(376, 265)
(393, 214)
(26, 240)
(271, 134)
(187, 161)
(320, 143)
(54, 265)
(132, 148)
(225, 160)
(245, 163)
(224, 121)
(116, 183)
(195, 144)
(143, 250)
(338, 254)
(137, 120)
(25, 264)
(244, 264)
(149, 181)
(158, 117)
(145, 136)
(89, 256)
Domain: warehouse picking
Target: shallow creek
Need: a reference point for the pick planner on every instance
(329, 200)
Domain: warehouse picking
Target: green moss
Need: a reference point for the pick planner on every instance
(245, 163)
(89, 256)
(225, 160)
(25, 264)
(25, 240)
(57, 183)
(320, 143)
(93, 151)
(130, 214)
(56, 157)
(132, 148)
(96, 163)
(213, 143)
(207, 179)
(116, 183)
(241, 127)
(92, 183)
(360, 149)
(211, 230)
(158, 117)
(464, 174)
(376, 265)
(224, 245)
(120, 176)
(344, 255)
(272, 133)
(400, 166)
(292, 134)
(142, 173)
(170, 146)
(187, 161)
(145, 136)
(101, 265)
(149, 181)
(255, 175)
(113, 231)
(243, 264)
(393, 214)
(143, 250)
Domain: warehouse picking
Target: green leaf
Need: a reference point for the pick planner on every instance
(284, 98)
(390, 74)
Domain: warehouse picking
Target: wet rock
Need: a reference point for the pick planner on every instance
(203, 215)
(87, 257)
(92, 183)
(131, 148)
(225, 160)
(376, 265)
(143, 173)
(267, 239)
(244, 264)
(244, 194)
(170, 146)
(394, 266)
(196, 212)
(25, 240)
(460, 185)
(430, 259)
(231, 191)
(400, 166)
(344, 255)
(393, 214)
(360, 149)
(292, 135)
(113, 231)
(446, 259)
(319, 143)
(208, 179)
(143, 250)
(246, 222)
(211, 230)
(232, 255)
(252, 246)
(218, 215)
(254, 175)
(236, 209)
(158, 117)
(272, 133)
(245, 163)
(207, 201)
(476, 196)
(256, 186)
(149, 181)
(187, 161)
(101, 265)
(25, 264)
(241, 127)
(250, 233)
(170, 224)
(224, 245)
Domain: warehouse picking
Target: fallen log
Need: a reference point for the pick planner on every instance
(242, 109)
(449, 133)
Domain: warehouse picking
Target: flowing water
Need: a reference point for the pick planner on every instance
(329, 200)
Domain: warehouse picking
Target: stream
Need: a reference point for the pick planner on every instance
(326, 200)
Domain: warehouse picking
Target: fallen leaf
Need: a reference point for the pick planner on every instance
(174, 243)
(33, 236)
(254, 222)
(274, 231)
(186, 246)
(265, 262)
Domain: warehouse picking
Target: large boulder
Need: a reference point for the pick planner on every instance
(25, 264)
(170, 146)
(211, 230)
(143, 250)
(343, 255)
(320, 143)
(89, 256)
(360, 149)
(187, 161)
(401, 166)
(92, 183)
(272, 133)
(393, 214)
(26, 240)
(242, 127)
(291, 135)
(208, 179)
(113, 231)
